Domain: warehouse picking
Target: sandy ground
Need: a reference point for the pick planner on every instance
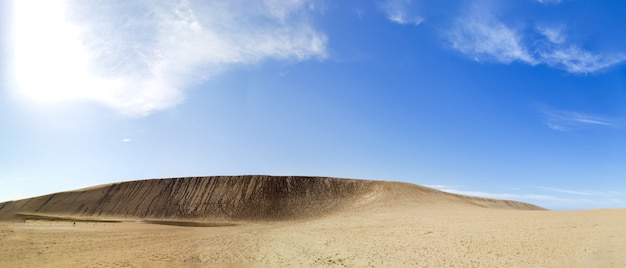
(387, 236)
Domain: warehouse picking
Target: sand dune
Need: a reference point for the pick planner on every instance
(236, 198)
(263, 221)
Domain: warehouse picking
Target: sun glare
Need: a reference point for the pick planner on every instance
(50, 62)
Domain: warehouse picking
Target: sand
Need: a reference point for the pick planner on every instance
(389, 230)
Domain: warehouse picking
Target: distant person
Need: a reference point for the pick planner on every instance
(74, 224)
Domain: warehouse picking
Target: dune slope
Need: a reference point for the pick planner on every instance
(236, 198)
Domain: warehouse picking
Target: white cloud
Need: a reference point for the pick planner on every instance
(569, 120)
(399, 11)
(126, 140)
(139, 56)
(485, 38)
(439, 186)
(482, 36)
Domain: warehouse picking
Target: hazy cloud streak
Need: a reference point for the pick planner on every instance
(569, 120)
(590, 198)
(506, 196)
(585, 193)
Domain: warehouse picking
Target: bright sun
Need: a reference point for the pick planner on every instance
(50, 63)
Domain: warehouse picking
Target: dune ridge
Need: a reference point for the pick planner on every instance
(236, 198)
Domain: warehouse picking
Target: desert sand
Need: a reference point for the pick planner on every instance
(262, 221)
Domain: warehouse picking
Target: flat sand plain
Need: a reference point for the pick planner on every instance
(384, 236)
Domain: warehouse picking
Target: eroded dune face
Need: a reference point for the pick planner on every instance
(234, 198)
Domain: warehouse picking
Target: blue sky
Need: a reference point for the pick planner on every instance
(522, 100)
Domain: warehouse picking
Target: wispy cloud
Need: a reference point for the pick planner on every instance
(550, 2)
(399, 11)
(486, 38)
(555, 50)
(554, 34)
(481, 35)
(139, 56)
(576, 60)
(569, 120)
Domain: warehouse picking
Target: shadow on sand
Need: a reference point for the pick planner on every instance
(190, 223)
(40, 217)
